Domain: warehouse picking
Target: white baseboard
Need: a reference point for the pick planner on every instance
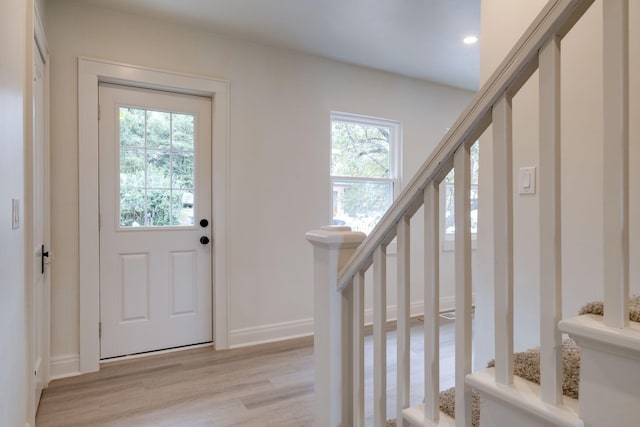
(415, 309)
(67, 365)
(449, 303)
(269, 333)
(300, 328)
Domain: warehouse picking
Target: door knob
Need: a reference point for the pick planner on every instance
(204, 223)
(204, 240)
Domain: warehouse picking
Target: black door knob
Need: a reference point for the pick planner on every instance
(204, 223)
(204, 240)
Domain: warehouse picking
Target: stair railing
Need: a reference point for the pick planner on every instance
(339, 298)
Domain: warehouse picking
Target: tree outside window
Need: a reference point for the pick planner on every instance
(364, 169)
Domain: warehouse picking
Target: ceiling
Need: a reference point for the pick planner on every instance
(415, 38)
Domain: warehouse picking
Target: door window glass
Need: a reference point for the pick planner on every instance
(157, 168)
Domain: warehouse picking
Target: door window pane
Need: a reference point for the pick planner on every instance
(157, 168)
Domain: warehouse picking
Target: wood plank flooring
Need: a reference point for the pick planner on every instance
(264, 385)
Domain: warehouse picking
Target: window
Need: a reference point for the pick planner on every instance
(364, 169)
(449, 201)
(156, 168)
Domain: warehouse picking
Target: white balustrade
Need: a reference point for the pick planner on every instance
(342, 257)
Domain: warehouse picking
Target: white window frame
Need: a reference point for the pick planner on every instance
(395, 152)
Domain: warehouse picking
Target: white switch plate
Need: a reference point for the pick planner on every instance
(527, 180)
(15, 214)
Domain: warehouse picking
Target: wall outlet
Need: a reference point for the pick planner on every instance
(15, 214)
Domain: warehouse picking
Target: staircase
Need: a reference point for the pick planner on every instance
(610, 364)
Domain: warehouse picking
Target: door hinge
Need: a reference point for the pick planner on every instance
(99, 329)
(98, 112)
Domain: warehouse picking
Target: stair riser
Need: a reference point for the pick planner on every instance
(609, 389)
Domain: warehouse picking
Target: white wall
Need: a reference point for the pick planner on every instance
(13, 303)
(279, 151)
(503, 22)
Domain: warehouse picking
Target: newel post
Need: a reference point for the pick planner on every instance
(332, 325)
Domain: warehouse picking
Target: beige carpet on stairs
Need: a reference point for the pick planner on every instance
(527, 365)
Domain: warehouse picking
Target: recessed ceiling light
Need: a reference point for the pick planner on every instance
(470, 40)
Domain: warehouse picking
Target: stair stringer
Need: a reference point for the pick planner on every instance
(609, 371)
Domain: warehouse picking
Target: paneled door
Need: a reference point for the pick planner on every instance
(155, 215)
(39, 244)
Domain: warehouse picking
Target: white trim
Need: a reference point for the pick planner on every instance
(67, 365)
(270, 333)
(90, 73)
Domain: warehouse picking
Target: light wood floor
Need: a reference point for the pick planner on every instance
(265, 385)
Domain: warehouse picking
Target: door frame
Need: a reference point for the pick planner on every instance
(90, 73)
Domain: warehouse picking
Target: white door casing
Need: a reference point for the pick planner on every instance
(90, 73)
(155, 273)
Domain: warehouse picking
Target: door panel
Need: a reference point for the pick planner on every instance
(40, 240)
(135, 287)
(155, 181)
(183, 282)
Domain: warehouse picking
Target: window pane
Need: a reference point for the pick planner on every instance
(182, 131)
(131, 127)
(360, 150)
(158, 129)
(360, 204)
(183, 171)
(132, 204)
(158, 169)
(182, 208)
(158, 209)
(132, 168)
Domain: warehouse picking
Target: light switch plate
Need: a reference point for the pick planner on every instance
(15, 214)
(527, 180)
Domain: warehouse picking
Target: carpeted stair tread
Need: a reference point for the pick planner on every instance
(526, 364)
(597, 307)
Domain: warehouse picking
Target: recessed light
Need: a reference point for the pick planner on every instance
(470, 40)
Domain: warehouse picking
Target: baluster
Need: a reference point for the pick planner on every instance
(432, 302)
(550, 224)
(616, 162)
(462, 192)
(503, 238)
(380, 336)
(403, 337)
(358, 349)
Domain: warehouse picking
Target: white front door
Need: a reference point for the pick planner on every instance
(40, 240)
(155, 216)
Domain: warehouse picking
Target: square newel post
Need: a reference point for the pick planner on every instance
(332, 247)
